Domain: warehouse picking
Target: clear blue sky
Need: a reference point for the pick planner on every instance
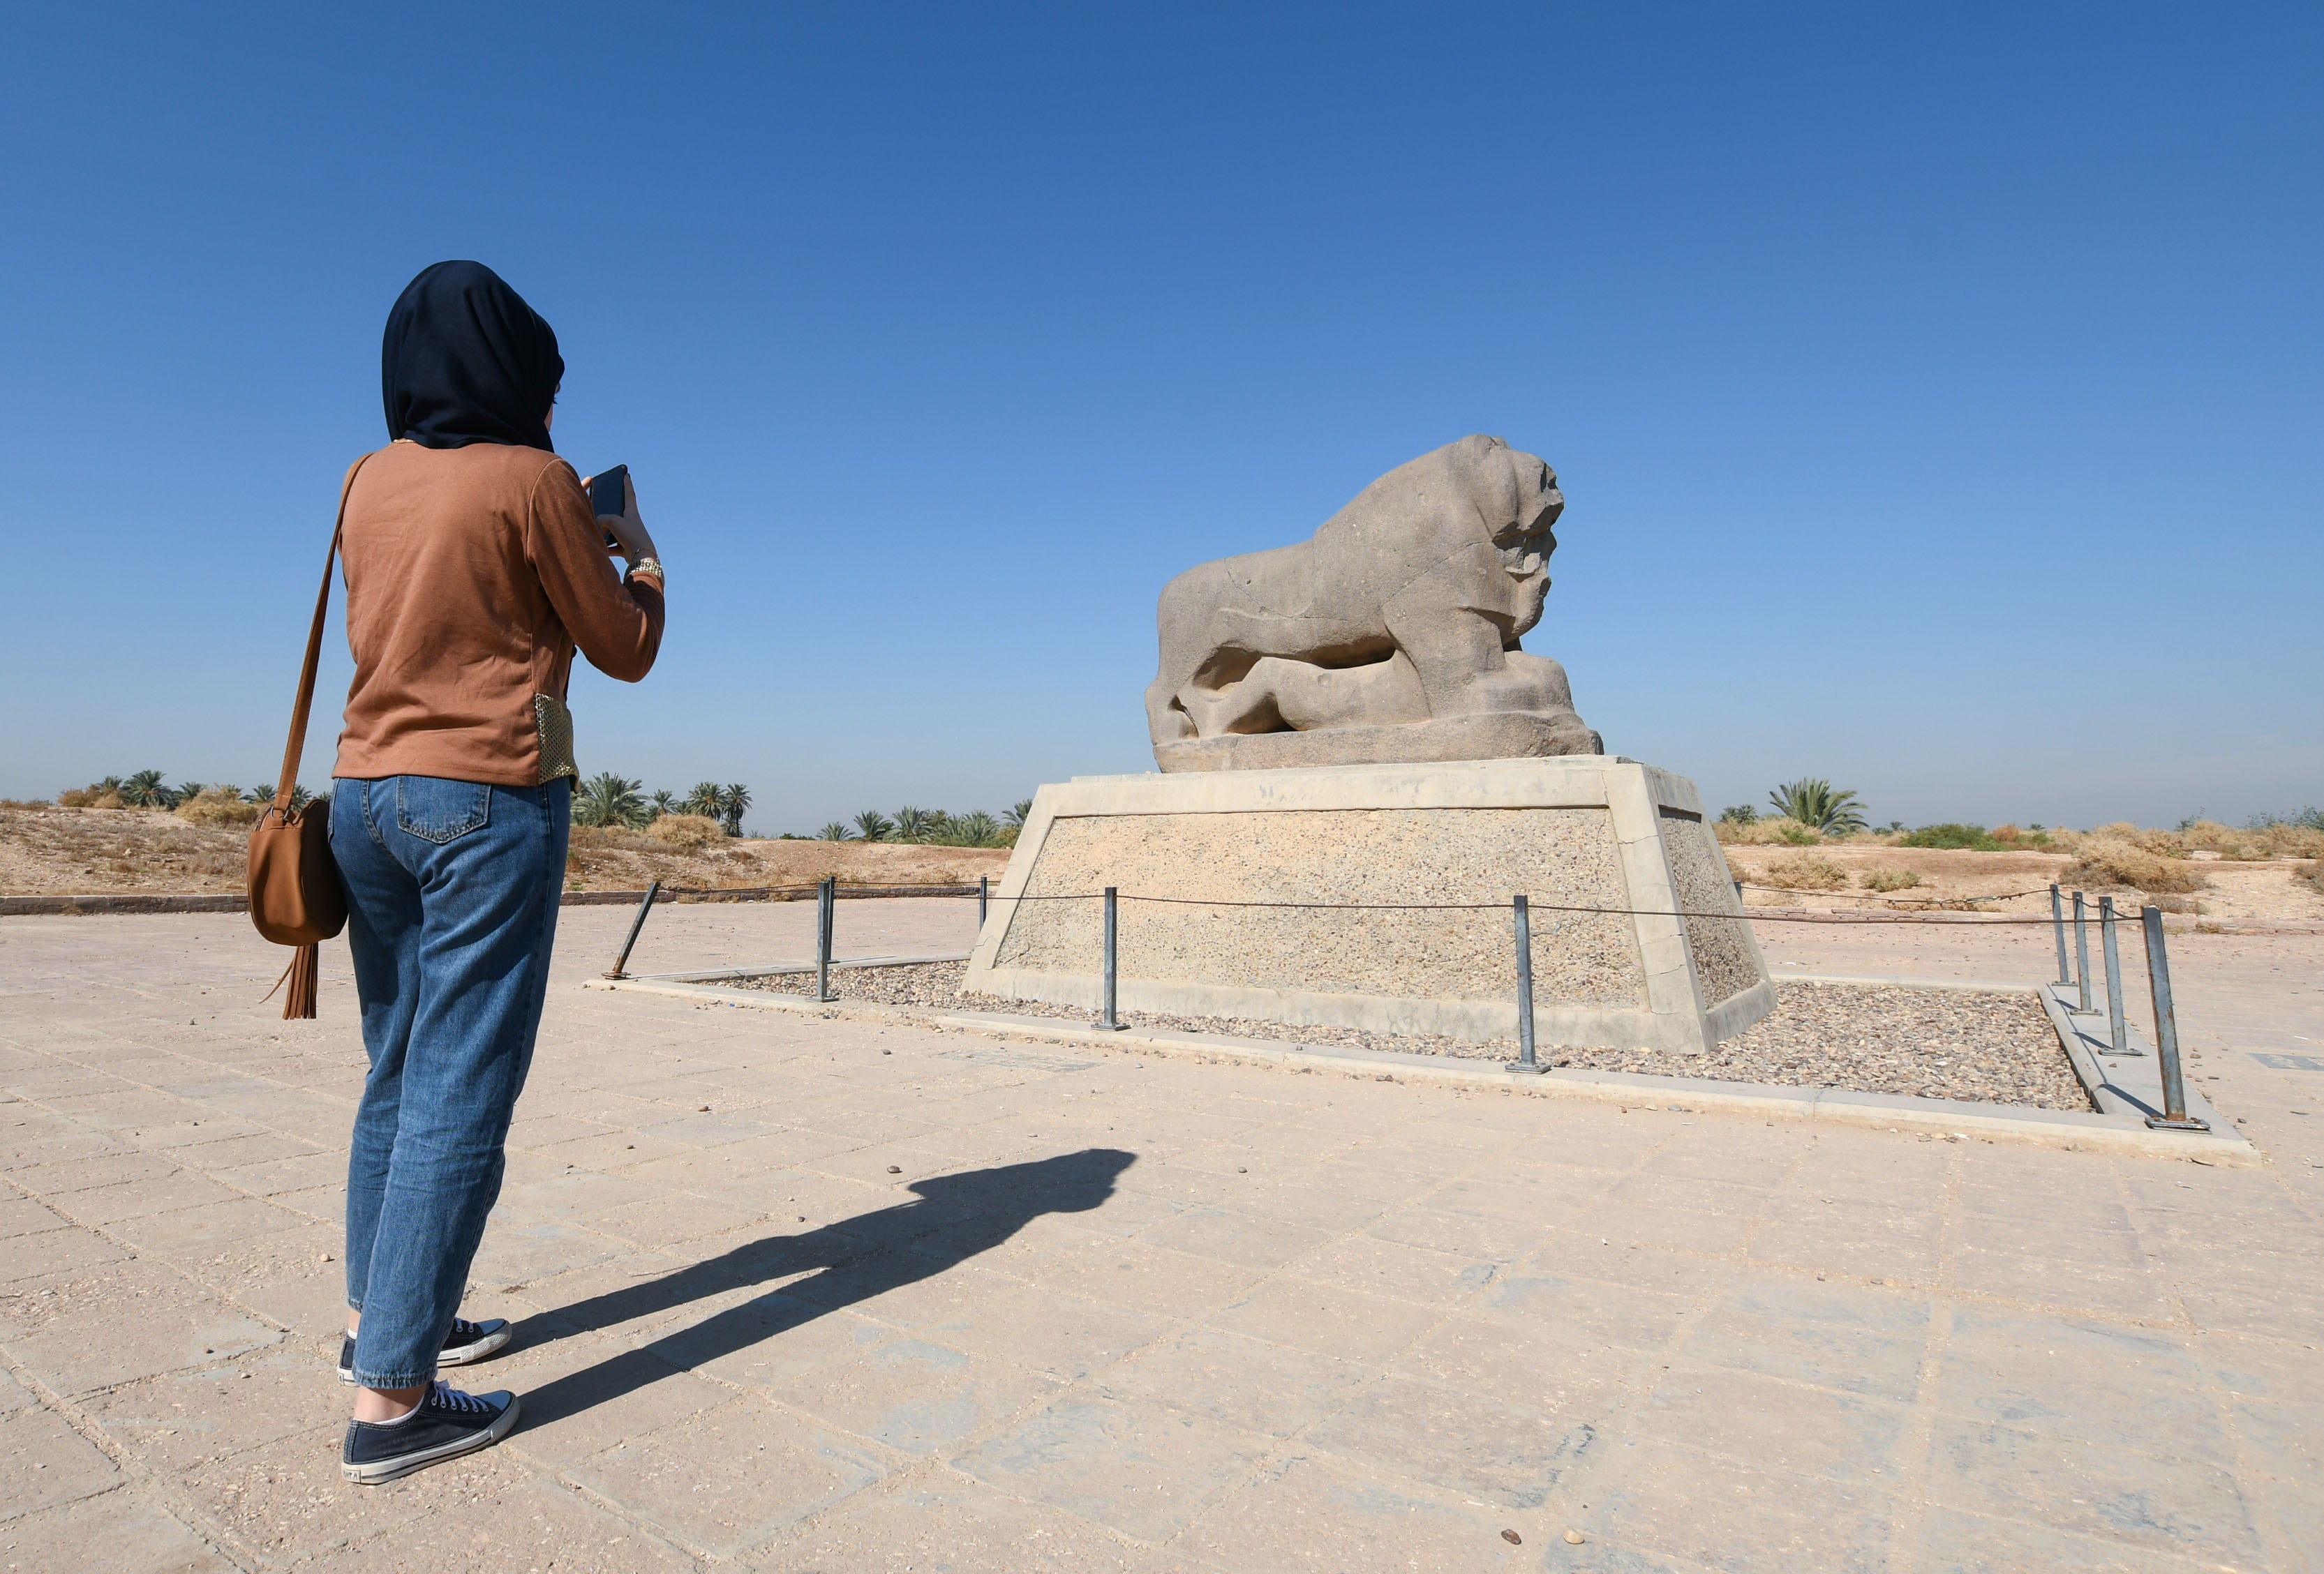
(1935, 390)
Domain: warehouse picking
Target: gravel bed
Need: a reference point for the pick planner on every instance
(1994, 1048)
(932, 984)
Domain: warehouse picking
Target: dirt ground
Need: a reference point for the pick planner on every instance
(50, 851)
(78, 851)
(46, 852)
(624, 860)
(2236, 890)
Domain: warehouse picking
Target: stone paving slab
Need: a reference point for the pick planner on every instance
(1125, 1310)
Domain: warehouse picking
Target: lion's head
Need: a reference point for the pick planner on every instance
(1515, 493)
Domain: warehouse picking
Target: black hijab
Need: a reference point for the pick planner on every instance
(467, 361)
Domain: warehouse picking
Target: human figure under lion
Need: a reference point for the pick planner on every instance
(1406, 607)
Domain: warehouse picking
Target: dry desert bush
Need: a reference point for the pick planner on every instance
(2253, 843)
(215, 807)
(614, 857)
(690, 833)
(1806, 871)
(1767, 832)
(2105, 857)
(2313, 873)
(1884, 879)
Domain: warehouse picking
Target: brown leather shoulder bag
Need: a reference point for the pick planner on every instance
(295, 897)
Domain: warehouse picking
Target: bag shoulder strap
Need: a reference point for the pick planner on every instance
(298, 744)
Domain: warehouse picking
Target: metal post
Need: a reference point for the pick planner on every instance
(2174, 1116)
(2082, 952)
(621, 962)
(826, 898)
(2058, 922)
(1526, 1062)
(983, 899)
(2115, 1022)
(1112, 1021)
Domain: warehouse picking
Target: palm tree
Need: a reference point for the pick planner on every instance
(918, 825)
(977, 828)
(608, 799)
(731, 804)
(706, 798)
(186, 792)
(834, 831)
(145, 791)
(871, 825)
(663, 802)
(1812, 801)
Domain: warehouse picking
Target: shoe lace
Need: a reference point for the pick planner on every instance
(447, 1398)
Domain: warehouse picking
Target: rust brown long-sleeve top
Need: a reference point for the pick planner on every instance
(471, 574)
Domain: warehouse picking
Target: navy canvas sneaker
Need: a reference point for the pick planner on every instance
(467, 1341)
(447, 1424)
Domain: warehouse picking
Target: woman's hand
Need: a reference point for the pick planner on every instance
(632, 541)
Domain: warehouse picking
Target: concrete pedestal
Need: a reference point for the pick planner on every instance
(1609, 853)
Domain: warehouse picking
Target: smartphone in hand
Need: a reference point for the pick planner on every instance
(609, 494)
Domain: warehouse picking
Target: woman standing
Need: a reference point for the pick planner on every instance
(474, 564)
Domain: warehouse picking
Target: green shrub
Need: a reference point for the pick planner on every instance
(1954, 834)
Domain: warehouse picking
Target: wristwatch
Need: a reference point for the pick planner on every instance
(651, 565)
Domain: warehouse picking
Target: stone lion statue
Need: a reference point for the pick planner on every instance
(1399, 618)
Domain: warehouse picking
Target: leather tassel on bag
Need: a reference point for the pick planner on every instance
(304, 975)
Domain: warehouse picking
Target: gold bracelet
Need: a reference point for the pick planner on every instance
(647, 565)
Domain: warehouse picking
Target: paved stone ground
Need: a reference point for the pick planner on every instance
(1149, 1316)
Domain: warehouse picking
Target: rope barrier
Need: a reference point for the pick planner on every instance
(1884, 896)
(736, 893)
(2174, 1116)
(1502, 906)
(801, 893)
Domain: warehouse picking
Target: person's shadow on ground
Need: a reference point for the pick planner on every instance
(951, 1219)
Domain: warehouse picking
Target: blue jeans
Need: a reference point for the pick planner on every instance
(452, 894)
